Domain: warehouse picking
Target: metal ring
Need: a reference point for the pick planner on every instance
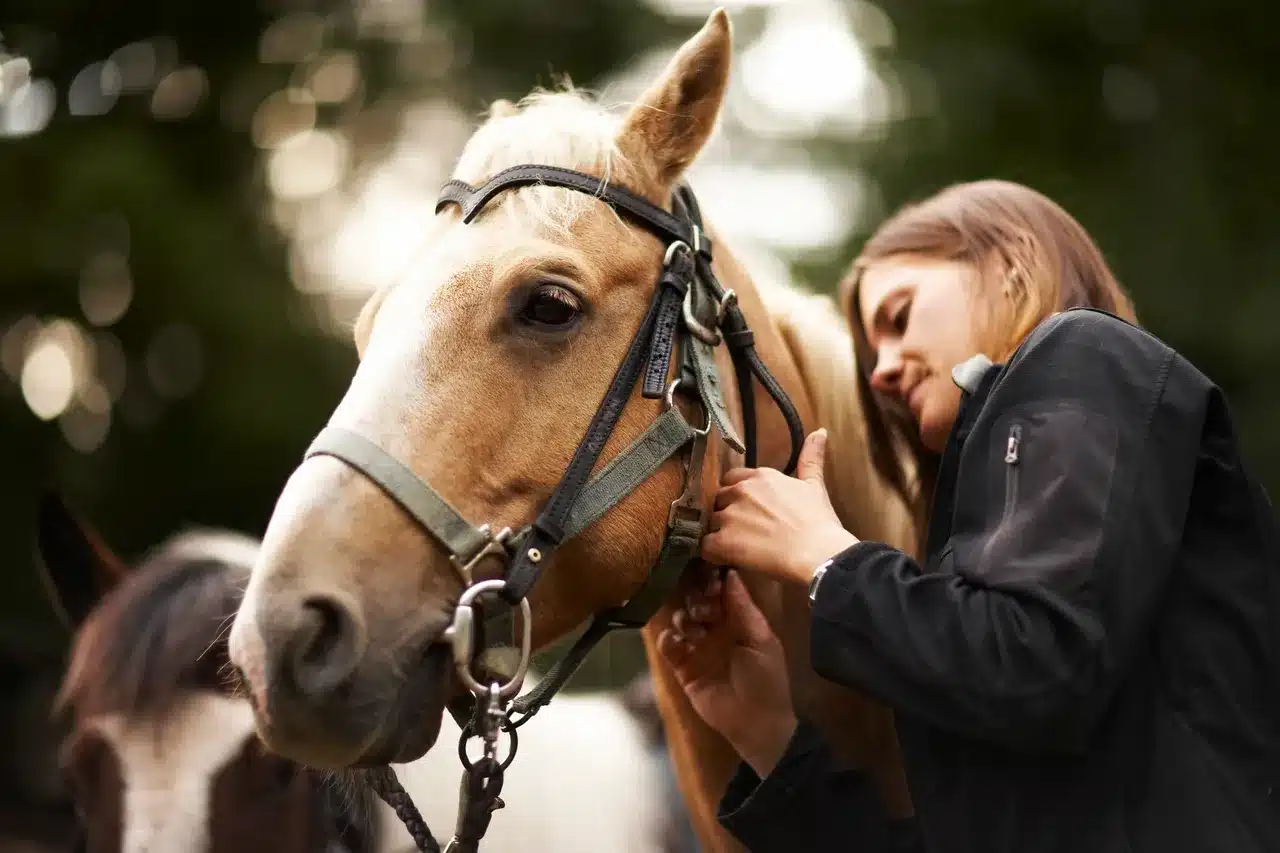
(697, 236)
(463, 618)
(669, 402)
(671, 251)
(468, 733)
(710, 337)
(728, 299)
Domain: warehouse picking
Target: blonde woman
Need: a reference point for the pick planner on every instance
(1087, 659)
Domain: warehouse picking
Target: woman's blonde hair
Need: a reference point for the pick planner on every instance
(1030, 259)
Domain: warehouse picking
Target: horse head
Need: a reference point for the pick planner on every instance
(481, 371)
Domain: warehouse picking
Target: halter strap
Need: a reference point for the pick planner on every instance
(427, 506)
(658, 221)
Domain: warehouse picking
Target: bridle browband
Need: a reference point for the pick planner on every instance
(689, 315)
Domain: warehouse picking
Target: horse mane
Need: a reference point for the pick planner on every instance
(162, 630)
(565, 128)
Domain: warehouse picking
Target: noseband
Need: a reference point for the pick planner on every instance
(690, 314)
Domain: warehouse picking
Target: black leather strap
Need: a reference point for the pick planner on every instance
(547, 531)
(473, 199)
(674, 284)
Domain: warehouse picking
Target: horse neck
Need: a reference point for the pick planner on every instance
(803, 342)
(816, 338)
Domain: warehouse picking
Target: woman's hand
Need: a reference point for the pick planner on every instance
(732, 668)
(765, 521)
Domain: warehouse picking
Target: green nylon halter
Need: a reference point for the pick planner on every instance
(469, 545)
(689, 316)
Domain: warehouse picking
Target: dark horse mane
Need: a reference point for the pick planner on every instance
(161, 632)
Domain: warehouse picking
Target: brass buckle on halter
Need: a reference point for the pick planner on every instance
(461, 637)
(690, 501)
(496, 546)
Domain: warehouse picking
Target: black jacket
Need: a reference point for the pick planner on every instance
(1089, 660)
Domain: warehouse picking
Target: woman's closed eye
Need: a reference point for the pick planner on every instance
(900, 317)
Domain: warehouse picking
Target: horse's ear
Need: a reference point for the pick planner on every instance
(76, 566)
(674, 118)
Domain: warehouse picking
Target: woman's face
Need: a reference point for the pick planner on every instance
(920, 321)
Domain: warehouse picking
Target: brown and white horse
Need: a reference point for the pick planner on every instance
(480, 371)
(162, 754)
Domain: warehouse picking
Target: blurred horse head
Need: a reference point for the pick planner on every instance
(160, 754)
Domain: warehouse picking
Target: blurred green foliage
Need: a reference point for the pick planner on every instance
(182, 201)
(1154, 122)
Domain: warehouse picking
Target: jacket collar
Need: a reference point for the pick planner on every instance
(969, 374)
(975, 378)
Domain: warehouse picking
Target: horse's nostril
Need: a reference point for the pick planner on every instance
(326, 633)
(326, 647)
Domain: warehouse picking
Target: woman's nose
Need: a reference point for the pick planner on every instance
(887, 372)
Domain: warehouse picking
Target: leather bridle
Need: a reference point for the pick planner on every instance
(689, 315)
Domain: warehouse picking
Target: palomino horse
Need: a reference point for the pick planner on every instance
(162, 756)
(564, 247)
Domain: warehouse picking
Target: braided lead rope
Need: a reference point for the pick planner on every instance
(384, 783)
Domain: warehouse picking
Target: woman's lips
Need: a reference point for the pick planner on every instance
(915, 399)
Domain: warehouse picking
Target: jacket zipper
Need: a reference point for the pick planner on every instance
(1013, 447)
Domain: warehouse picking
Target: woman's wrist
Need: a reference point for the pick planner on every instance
(821, 547)
(766, 743)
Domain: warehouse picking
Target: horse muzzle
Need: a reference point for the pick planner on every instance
(322, 699)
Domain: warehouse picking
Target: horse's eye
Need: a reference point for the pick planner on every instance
(551, 307)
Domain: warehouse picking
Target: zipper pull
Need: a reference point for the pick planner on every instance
(1011, 449)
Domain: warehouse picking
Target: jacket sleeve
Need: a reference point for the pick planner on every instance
(1071, 492)
(811, 803)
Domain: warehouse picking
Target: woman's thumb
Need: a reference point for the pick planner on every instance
(744, 616)
(813, 456)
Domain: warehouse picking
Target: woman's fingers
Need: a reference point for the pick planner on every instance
(684, 625)
(719, 547)
(743, 615)
(737, 475)
(704, 605)
(673, 647)
(726, 495)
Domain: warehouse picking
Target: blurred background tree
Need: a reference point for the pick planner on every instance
(196, 198)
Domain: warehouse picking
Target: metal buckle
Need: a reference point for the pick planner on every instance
(671, 252)
(696, 233)
(460, 635)
(492, 716)
(669, 402)
(495, 547)
(728, 299)
(710, 337)
(690, 501)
